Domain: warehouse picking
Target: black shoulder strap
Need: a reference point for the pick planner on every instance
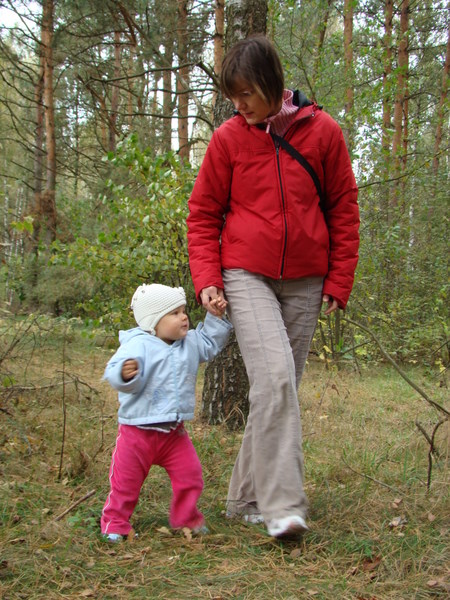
(305, 164)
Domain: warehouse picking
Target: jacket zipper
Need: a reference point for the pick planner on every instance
(175, 376)
(283, 257)
(277, 148)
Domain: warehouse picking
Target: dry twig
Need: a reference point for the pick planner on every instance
(388, 357)
(389, 487)
(75, 504)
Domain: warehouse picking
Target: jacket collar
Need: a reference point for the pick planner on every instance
(306, 109)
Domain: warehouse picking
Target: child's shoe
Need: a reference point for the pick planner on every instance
(287, 527)
(118, 537)
(113, 537)
(202, 530)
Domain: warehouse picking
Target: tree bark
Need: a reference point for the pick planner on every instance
(349, 77)
(219, 33)
(319, 52)
(39, 156)
(225, 390)
(183, 81)
(400, 125)
(442, 103)
(386, 135)
(167, 96)
(47, 205)
(112, 121)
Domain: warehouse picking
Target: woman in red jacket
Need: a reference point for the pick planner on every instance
(278, 237)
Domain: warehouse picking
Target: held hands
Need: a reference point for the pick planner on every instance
(214, 301)
(332, 304)
(130, 369)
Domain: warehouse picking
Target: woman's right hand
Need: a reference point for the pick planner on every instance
(209, 297)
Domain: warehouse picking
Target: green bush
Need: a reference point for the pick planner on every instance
(140, 234)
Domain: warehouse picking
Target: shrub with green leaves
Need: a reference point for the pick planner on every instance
(141, 233)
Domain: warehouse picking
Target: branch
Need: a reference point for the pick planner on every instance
(201, 65)
(398, 369)
(389, 487)
(404, 175)
(75, 504)
(432, 450)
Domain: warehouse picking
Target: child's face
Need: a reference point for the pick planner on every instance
(173, 326)
(249, 103)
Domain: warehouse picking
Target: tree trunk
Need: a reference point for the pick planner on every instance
(400, 99)
(183, 81)
(319, 52)
(387, 84)
(225, 391)
(349, 76)
(39, 157)
(112, 121)
(167, 96)
(48, 206)
(219, 33)
(441, 112)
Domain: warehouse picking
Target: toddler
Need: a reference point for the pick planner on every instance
(154, 371)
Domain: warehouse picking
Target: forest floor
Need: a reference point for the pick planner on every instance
(378, 530)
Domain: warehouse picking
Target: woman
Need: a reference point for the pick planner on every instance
(262, 233)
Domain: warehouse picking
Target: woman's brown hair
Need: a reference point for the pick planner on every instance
(255, 61)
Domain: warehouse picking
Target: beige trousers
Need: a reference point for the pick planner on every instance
(274, 321)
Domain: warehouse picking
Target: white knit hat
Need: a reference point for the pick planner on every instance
(151, 302)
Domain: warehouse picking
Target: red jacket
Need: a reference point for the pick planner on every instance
(254, 207)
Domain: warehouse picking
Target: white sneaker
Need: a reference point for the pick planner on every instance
(202, 530)
(113, 537)
(253, 519)
(287, 526)
(118, 537)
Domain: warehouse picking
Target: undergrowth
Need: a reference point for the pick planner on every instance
(378, 531)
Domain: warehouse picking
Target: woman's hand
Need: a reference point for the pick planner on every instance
(332, 304)
(213, 300)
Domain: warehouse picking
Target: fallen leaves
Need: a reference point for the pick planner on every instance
(164, 531)
(368, 565)
(440, 584)
(398, 522)
(88, 593)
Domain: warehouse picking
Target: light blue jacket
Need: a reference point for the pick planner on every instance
(164, 389)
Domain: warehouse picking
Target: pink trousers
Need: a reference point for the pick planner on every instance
(135, 452)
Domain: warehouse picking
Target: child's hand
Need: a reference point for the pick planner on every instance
(219, 304)
(130, 369)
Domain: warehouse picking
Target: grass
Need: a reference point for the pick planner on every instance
(377, 533)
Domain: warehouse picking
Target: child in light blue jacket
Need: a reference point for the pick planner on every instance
(155, 371)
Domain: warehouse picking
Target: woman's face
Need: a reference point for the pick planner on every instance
(249, 104)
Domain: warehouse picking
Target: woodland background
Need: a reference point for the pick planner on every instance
(106, 109)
